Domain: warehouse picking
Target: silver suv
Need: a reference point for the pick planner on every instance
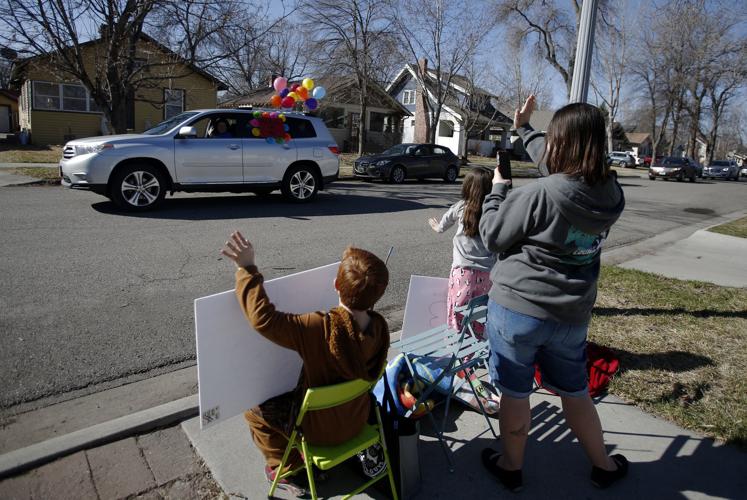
(722, 169)
(203, 151)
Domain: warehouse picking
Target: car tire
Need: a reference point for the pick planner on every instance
(652, 178)
(300, 184)
(680, 177)
(397, 175)
(451, 174)
(692, 179)
(137, 188)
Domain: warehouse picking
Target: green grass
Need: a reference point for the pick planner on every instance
(682, 347)
(734, 228)
(13, 153)
(51, 175)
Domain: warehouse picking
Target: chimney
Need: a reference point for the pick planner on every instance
(421, 129)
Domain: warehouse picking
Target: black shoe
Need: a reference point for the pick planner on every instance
(511, 479)
(605, 478)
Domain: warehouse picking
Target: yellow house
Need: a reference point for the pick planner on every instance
(53, 107)
(8, 111)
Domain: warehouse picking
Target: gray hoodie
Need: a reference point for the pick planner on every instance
(548, 236)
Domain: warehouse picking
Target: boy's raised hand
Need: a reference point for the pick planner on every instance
(239, 250)
(522, 116)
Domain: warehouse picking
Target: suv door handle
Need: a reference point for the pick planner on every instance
(234, 146)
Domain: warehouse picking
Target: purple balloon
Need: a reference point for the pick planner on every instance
(284, 92)
(254, 123)
(311, 103)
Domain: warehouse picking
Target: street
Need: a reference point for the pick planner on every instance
(91, 295)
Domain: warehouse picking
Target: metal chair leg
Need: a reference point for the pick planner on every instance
(440, 437)
(479, 402)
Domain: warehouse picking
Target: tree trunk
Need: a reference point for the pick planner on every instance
(362, 128)
(610, 146)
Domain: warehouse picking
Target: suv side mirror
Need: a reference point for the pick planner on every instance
(186, 133)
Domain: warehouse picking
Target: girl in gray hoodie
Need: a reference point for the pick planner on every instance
(548, 237)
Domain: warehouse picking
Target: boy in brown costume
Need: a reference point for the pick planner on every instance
(347, 343)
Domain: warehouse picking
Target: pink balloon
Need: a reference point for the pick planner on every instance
(280, 83)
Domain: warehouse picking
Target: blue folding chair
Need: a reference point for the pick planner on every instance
(452, 352)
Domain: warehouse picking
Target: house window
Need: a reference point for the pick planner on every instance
(333, 117)
(62, 97)
(408, 97)
(446, 128)
(173, 102)
(376, 121)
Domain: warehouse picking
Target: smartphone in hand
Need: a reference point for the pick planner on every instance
(504, 164)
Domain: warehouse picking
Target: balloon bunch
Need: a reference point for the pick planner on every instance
(270, 126)
(305, 93)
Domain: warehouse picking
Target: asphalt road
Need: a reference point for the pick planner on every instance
(92, 295)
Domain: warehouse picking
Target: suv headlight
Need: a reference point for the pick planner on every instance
(91, 148)
(381, 163)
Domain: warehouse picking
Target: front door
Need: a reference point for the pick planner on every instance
(4, 119)
(420, 162)
(214, 156)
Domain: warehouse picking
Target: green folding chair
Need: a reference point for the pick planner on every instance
(326, 457)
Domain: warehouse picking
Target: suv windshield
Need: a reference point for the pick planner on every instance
(167, 125)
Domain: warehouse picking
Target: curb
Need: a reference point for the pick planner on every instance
(38, 454)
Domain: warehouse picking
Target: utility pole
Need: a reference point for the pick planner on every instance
(584, 48)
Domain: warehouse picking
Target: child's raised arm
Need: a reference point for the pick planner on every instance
(449, 219)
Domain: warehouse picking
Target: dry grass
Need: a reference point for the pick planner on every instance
(51, 175)
(682, 347)
(734, 228)
(13, 153)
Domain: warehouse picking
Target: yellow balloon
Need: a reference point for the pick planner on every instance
(293, 95)
(255, 132)
(282, 117)
(308, 83)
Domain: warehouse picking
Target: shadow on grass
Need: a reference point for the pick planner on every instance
(650, 311)
(672, 361)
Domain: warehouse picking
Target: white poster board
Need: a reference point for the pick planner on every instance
(426, 304)
(237, 368)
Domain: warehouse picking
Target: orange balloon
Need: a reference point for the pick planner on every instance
(303, 92)
(275, 101)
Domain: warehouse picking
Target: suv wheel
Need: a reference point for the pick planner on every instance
(451, 174)
(397, 175)
(300, 184)
(138, 188)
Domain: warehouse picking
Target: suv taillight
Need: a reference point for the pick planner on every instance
(334, 149)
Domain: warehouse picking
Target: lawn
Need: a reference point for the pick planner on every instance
(13, 153)
(734, 228)
(682, 347)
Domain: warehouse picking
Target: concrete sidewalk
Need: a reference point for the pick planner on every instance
(666, 461)
(9, 179)
(703, 256)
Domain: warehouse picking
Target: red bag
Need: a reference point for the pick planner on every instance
(601, 363)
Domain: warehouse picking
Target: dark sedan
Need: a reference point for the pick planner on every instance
(409, 161)
(673, 167)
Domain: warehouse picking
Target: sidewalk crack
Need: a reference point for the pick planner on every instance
(90, 475)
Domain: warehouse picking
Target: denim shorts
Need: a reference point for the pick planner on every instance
(518, 341)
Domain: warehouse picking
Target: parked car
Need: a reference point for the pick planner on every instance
(208, 150)
(722, 169)
(672, 167)
(743, 171)
(621, 159)
(407, 161)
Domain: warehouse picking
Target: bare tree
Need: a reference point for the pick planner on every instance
(435, 30)
(348, 37)
(516, 79)
(611, 59)
(60, 30)
(477, 107)
(551, 27)
(7, 56)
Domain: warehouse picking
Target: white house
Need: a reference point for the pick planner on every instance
(469, 122)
